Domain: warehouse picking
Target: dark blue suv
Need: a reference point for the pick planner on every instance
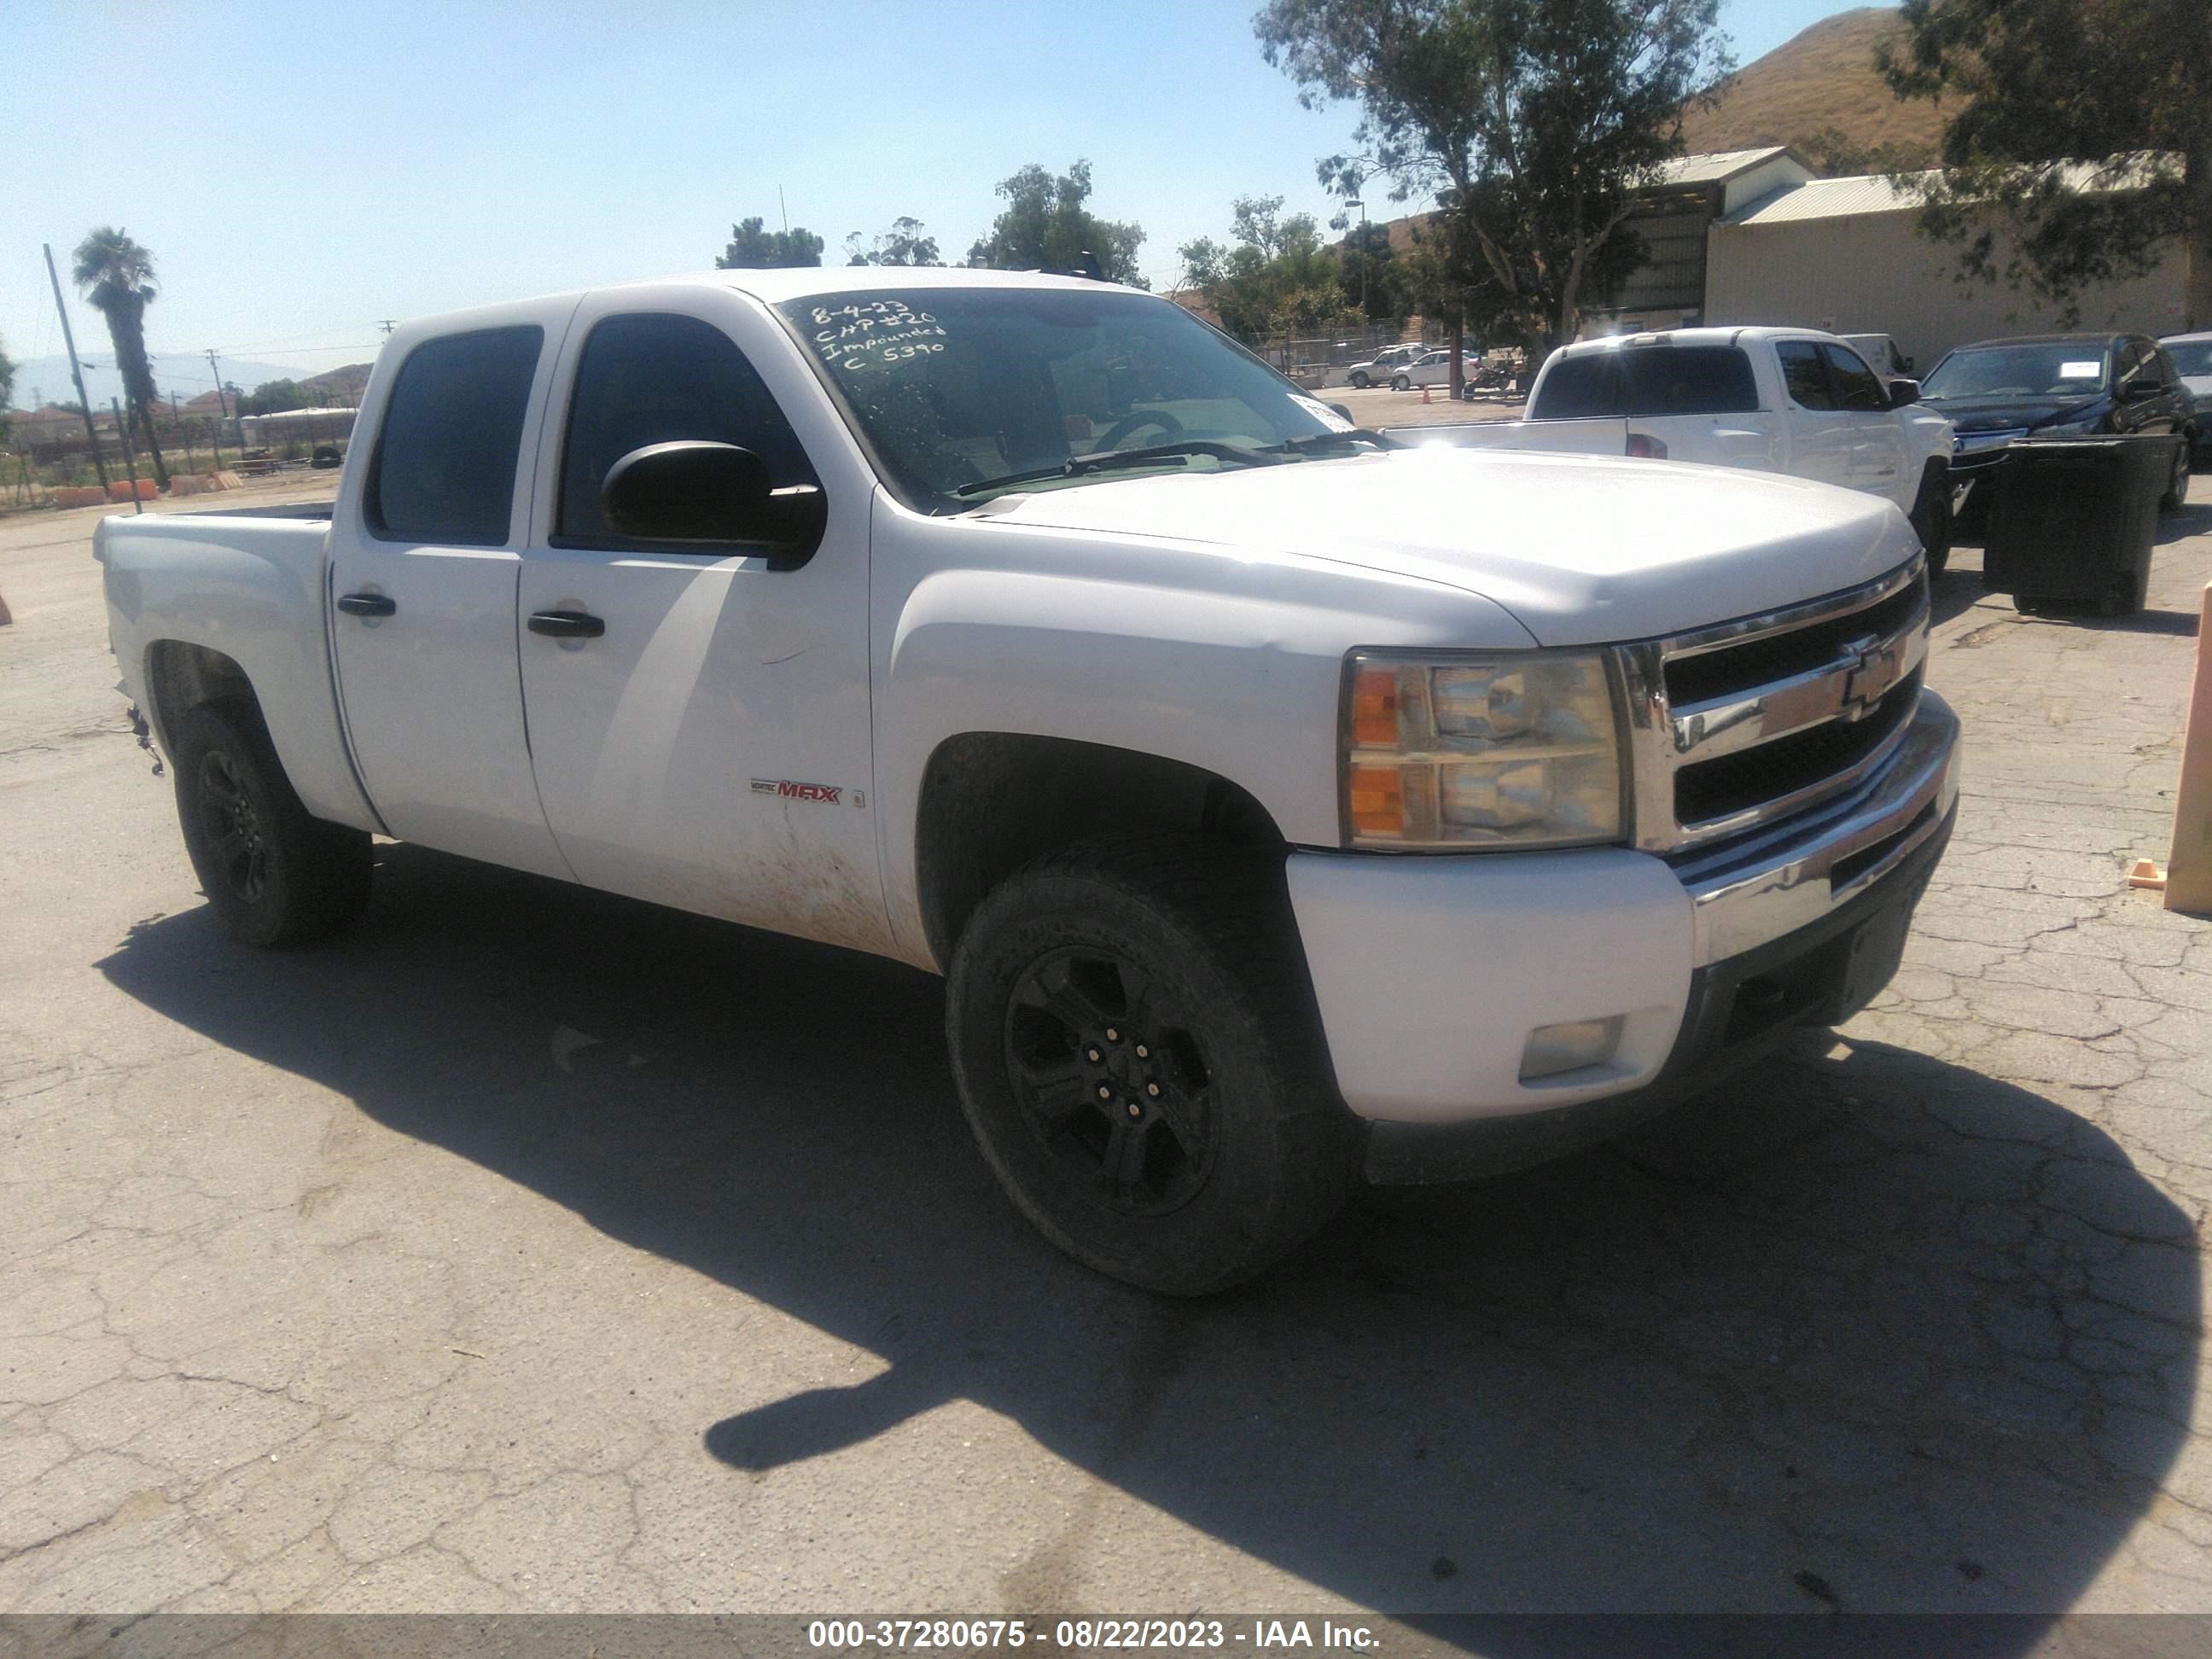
(1997, 392)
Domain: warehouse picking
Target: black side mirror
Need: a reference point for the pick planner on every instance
(1903, 391)
(2133, 392)
(1340, 411)
(710, 493)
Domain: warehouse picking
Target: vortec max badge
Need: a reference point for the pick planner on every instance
(787, 789)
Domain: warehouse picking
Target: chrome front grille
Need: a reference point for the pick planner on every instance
(1741, 725)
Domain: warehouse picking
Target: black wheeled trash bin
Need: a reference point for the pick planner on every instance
(2075, 520)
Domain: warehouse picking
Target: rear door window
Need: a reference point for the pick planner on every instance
(444, 468)
(1805, 374)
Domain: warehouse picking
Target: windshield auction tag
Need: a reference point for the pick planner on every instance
(2084, 371)
(1321, 412)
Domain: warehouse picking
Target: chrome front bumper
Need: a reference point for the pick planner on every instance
(1759, 889)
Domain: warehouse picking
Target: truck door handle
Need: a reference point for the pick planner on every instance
(367, 605)
(567, 624)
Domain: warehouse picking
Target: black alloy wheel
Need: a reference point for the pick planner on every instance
(1114, 1083)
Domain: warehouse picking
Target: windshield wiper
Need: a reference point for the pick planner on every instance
(1109, 459)
(1315, 442)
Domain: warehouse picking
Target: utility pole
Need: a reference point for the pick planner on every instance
(222, 409)
(1356, 202)
(184, 432)
(131, 460)
(76, 371)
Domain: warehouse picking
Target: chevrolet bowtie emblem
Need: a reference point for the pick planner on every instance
(1875, 671)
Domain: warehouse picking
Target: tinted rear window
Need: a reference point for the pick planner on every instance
(1649, 380)
(445, 461)
(1576, 388)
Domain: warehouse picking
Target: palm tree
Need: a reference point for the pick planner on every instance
(117, 274)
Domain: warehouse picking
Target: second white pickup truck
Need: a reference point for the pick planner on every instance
(1281, 804)
(1788, 400)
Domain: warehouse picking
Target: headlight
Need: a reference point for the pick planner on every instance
(1521, 750)
(2089, 425)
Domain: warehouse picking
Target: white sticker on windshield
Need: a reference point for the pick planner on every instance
(1321, 412)
(2089, 370)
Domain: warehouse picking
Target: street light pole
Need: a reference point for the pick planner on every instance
(1356, 202)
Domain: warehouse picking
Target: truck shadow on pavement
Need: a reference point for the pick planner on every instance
(1865, 1331)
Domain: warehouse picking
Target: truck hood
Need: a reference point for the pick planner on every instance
(1580, 550)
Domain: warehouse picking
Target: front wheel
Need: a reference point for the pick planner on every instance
(1932, 521)
(2177, 486)
(1400, 383)
(1139, 1058)
(274, 874)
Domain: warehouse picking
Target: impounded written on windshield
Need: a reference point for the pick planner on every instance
(875, 333)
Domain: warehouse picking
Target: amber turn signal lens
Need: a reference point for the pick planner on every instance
(1375, 708)
(1377, 799)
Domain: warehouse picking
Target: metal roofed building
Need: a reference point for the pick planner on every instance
(1674, 215)
(1842, 255)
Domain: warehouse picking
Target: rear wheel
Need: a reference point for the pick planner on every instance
(1359, 378)
(274, 874)
(1138, 1056)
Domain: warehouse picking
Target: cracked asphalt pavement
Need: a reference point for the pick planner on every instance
(533, 1249)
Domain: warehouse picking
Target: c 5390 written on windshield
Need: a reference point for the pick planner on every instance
(875, 334)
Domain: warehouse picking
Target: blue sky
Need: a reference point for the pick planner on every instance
(301, 170)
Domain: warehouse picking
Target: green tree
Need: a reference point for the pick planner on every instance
(1532, 122)
(755, 248)
(2122, 86)
(275, 397)
(1273, 276)
(117, 275)
(903, 244)
(1045, 227)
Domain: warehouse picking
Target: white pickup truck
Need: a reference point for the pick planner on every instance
(1280, 805)
(1784, 400)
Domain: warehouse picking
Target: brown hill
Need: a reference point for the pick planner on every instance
(339, 386)
(1819, 91)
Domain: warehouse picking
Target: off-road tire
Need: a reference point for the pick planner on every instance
(1360, 382)
(1931, 520)
(274, 874)
(1204, 928)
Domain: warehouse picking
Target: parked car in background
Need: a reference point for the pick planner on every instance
(1769, 400)
(1999, 392)
(1881, 354)
(1383, 364)
(1429, 368)
(2191, 358)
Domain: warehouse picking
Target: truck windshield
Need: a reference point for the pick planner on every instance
(2191, 356)
(956, 390)
(2063, 369)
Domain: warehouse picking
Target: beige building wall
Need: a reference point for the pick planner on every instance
(1869, 273)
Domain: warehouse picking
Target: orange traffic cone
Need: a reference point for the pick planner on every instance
(1425, 394)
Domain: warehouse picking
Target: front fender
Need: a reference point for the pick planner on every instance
(1223, 659)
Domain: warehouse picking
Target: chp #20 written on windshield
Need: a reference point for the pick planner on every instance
(875, 333)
